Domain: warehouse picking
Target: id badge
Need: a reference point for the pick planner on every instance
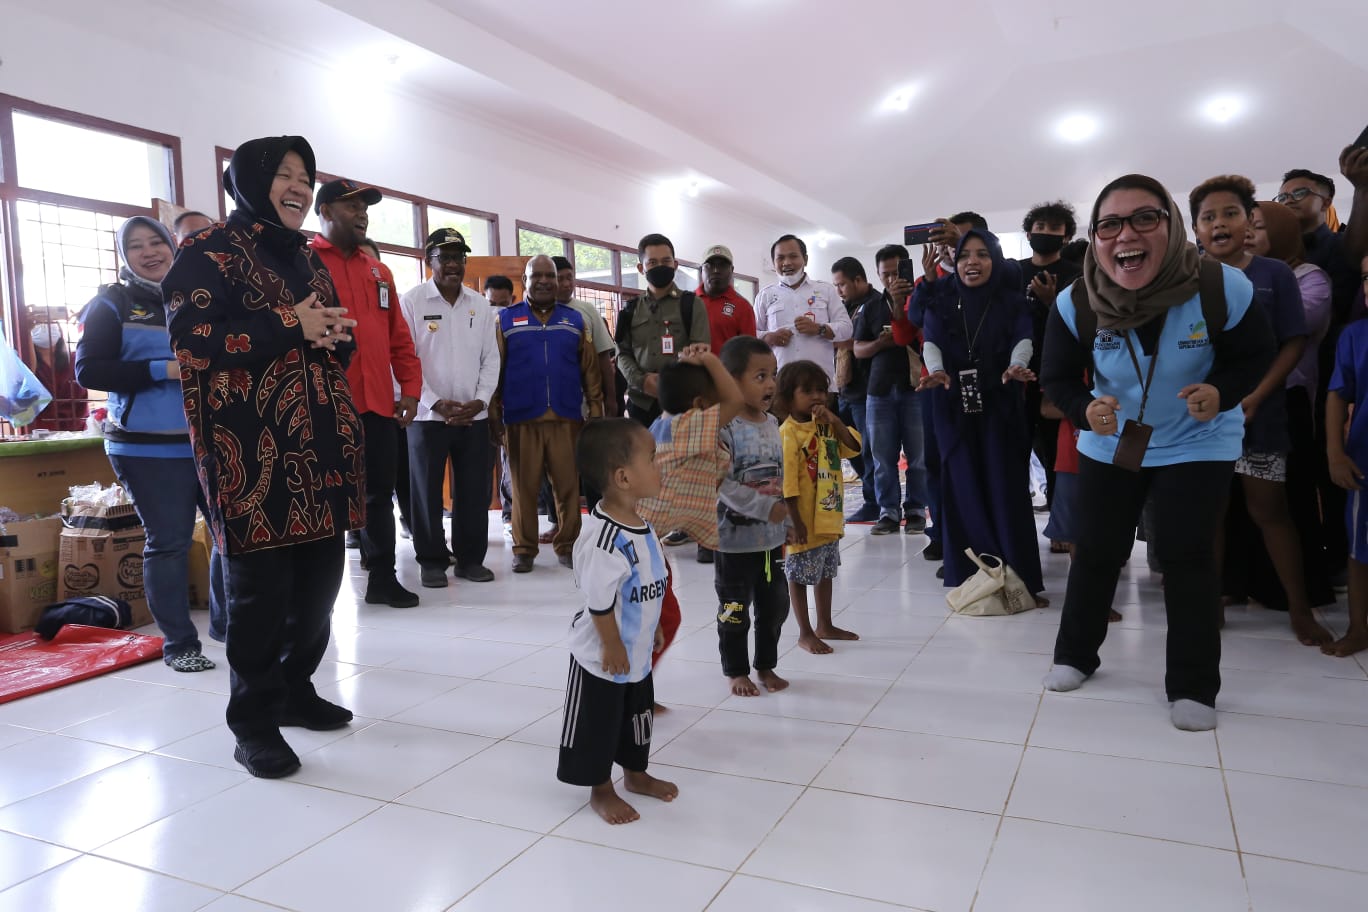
(1130, 449)
(971, 397)
(667, 344)
(384, 295)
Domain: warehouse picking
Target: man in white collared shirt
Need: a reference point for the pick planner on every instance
(800, 317)
(453, 332)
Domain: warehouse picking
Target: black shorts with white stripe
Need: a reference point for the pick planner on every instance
(605, 723)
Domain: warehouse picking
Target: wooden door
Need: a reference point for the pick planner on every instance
(479, 268)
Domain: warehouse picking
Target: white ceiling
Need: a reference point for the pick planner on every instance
(773, 105)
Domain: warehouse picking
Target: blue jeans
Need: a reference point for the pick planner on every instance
(165, 493)
(864, 463)
(895, 427)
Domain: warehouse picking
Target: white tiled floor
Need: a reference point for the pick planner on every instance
(919, 768)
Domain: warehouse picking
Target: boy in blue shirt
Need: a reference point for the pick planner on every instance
(1349, 385)
(620, 570)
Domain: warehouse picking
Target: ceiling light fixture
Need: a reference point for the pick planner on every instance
(899, 100)
(822, 239)
(1076, 128)
(1223, 109)
(693, 188)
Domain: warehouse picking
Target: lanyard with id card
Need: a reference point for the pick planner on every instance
(667, 341)
(1135, 434)
(971, 396)
(384, 294)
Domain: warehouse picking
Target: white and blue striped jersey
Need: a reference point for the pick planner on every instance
(618, 569)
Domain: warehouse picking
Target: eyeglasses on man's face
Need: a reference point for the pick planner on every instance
(1298, 195)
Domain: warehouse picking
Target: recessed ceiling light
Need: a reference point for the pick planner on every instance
(1223, 109)
(693, 188)
(1076, 128)
(822, 239)
(898, 100)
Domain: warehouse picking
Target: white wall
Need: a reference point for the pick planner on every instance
(151, 65)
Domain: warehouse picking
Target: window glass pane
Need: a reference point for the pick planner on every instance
(630, 277)
(475, 230)
(393, 221)
(534, 243)
(408, 270)
(686, 278)
(593, 263)
(607, 302)
(63, 264)
(746, 288)
(81, 161)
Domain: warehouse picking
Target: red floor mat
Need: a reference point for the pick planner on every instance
(29, 664)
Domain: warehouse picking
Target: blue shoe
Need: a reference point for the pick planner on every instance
(865, 514)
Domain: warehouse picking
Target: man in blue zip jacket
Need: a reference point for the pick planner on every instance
(549, 371)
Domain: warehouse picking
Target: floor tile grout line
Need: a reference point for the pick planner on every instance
(1006, 803)
(1234, 829)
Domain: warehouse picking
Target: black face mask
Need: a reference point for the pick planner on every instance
(660, 276)
(1046, 244)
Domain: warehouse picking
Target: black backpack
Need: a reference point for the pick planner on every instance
(1211, 288)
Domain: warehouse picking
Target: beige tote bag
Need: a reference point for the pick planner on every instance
(994, 590)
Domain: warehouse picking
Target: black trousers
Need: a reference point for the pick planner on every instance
(280, 603)
(646, 416)
(401, 475)
(746, 583)
(604, 722)
(431, 443)
(1188, 502)
(377, 538)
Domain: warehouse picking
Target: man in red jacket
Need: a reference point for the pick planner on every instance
(729, 314)
(384, 353)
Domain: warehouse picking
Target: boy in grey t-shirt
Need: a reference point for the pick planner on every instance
(753, 522)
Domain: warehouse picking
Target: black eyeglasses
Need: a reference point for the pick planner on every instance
(1297, 195)
(1143, 221)
(447, 258)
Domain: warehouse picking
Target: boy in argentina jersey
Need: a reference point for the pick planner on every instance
(621, 574)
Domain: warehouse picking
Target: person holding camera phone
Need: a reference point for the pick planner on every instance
(1174, 346)
(977, 351)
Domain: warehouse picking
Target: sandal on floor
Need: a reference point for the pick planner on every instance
(190, 661)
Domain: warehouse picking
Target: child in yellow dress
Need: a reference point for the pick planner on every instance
(815, 440)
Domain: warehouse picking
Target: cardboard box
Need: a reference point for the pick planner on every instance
(199, 566)
(35, 474)
(101, 553)
(28, 571)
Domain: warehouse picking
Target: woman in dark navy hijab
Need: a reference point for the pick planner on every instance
(262, 350)
(977, 326)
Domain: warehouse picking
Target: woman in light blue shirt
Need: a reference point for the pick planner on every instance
(1171, 346)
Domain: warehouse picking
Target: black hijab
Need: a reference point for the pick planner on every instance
(249, 177)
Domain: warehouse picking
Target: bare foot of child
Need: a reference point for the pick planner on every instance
(1352, 642)
(812, 644)
(743, 686)
(1113, 615)
(644, 783)
(771, 681)
(835, 633)
(1308, 630)
(608, 805)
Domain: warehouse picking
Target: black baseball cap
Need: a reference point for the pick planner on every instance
(335, 190)
(446, 237)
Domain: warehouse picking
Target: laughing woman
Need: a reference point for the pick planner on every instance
(124, 350)
(1170, 366)
(262, 349)
(977, 329)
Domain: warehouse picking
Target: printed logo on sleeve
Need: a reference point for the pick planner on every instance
(1106, 340)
